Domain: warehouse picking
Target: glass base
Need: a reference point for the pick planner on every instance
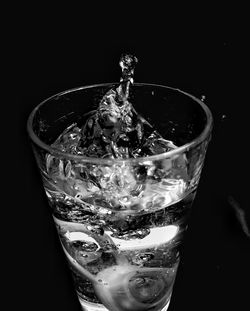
(89, 306)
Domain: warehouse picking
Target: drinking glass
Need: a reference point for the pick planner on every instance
(121, 221)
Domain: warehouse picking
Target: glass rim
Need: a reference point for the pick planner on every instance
(201, 137)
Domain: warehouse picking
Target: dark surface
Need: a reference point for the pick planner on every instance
(49, 56)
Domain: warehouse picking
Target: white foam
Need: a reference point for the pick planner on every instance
(156, 237)
(79, 236)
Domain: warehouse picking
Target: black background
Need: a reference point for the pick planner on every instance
(202, 53)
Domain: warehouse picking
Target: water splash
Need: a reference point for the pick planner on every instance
(127, 64)
(115, 129)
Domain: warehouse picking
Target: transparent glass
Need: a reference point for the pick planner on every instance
(121, 222)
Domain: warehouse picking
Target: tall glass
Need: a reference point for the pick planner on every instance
(121, 221)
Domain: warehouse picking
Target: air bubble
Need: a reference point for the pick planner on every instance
(203, 97)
